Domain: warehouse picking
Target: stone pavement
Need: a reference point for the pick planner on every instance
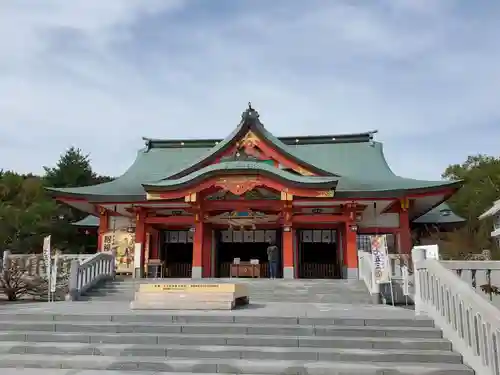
(103, 336)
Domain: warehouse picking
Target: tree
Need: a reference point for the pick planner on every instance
(481, 176)
(28, 213)
(73, 169)
(25, 212)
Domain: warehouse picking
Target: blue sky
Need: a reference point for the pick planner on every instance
(99, 75)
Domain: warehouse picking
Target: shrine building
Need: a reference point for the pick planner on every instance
(197, 207)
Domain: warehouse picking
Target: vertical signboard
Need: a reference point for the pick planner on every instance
(47, 257)
(406, 281)
(122, 244)
(53, 274)
(380, 257)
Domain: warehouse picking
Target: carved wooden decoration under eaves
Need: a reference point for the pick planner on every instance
(303, 172)
(190, 198)
(250, 144)
(249, 141)
(326, 194)
(237, 185)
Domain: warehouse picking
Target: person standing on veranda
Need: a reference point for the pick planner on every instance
(272, 257)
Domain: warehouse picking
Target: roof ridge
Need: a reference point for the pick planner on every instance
(288, 140)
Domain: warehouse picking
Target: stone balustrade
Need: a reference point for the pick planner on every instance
(85, 275)
(366, 273)
(34, 264)
(467, 319)
(482, 275)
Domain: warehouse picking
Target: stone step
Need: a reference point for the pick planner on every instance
(315, 291)
(217, 318)
(118, 297)
(225, 366)
(113, 290)
(235, 328)
(233, 352)
(231, 340)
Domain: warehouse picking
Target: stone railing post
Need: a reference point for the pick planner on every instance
(418, 256)
(5, 259)
(113, 263)
(73, 292)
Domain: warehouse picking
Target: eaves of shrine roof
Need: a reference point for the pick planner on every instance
(362, 166)
(353, 188)
(247, 168)
(87, 221)
(441, 214)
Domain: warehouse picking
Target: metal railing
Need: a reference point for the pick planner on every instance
(318, 271)
(467, 319)
(178, 270)
(87, 274)
(305, 270)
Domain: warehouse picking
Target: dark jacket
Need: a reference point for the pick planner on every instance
(272, 253)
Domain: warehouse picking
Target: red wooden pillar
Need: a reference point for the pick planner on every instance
(405, 241)
(350, 244)
(103, 228)
(350, 251)
(140, 239)
(207, 251)
(198, 240)
(155, 242)
(288, 253)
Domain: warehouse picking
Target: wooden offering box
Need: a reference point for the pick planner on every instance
(245, 269)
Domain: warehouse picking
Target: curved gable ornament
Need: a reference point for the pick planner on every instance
(252, 145)
(238, 185)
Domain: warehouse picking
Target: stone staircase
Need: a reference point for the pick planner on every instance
(225, 344)
(263, 290)
(321, 334)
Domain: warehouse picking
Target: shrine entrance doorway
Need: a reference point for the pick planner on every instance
(177, 252)
(318, 254)
(247, 245)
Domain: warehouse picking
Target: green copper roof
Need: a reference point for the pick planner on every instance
(249, 122)
(248, 167)
(441, 214)
(88, 221)
(356, 158)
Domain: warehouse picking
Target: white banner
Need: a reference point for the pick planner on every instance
(53, 274)
(46, 249)
(48, 262)
(406, 281)
(380, 258)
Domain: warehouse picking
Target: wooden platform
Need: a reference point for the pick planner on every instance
(191, 296)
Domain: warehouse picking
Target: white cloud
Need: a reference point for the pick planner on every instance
(101, 74)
